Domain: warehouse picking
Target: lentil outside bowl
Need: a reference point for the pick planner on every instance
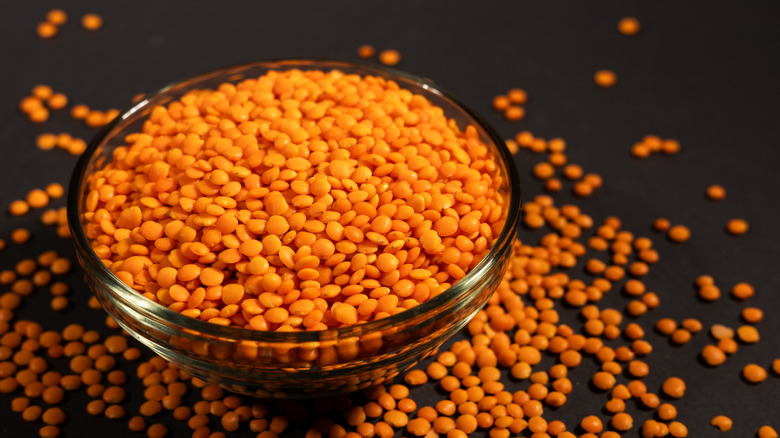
(298, 364)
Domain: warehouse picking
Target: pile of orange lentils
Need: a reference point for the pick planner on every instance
(505, 375)
(351, 201)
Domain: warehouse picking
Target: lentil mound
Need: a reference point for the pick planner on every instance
(296, 201)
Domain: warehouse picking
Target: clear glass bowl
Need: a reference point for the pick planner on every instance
(293, 364)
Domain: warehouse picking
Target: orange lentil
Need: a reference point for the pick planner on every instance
(60, 266)
(30, 104)
(670, 147)
(39, 115)
(20, 236)
(53, 416)
(572, 172)
(55, 190)
(628, 26)
(46, 30)
(419, 426)
(681, 336)
(703, 280)
(91, 21)
(748, 334)
(722, 422)
(49, 431)
(754, 373)
(692, 325)
(592, 424)
(436, 371)
(543, 170)
(416, 377)
(737, 227)
(53, 395)
(46, 141)
(640, 150)
(605, 78)
(79, 112)
(622, 421)
(728, 345)
(136, 424)
(661, 224)
(58, 101)
(674, 387)
(615, 405)
(366, 51)
(767, 432)
(517, 96)
(752, 315)
(720, 331)
(713, 355)
(743, 291)
(390, 57)
(716, 192)
(18, 208)
(37, 198)
(677, 429)
(57, 17)
(679, 233)
(638, 368)
(59, 304)
(603, 380)
(32, 413)
(157, 430)
(501, 103)
(514, 113)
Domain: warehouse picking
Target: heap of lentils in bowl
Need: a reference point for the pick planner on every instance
(300, 200)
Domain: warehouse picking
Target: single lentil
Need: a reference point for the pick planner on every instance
(605, 78)
(91, 21)
(628, 26)
(722, 422)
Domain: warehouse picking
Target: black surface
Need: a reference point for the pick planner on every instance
(704, 73)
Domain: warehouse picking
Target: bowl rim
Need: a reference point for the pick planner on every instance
(173, 318)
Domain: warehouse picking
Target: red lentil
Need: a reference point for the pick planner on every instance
(722, 422)
(390, 57)
(91, 22)
(674, 387)
(605, 78)
(679, 233)
(366, 51)
(46, 30)
(628, 26)
(737, 227)
(754, 373)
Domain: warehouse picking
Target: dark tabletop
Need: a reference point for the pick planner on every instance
(703, 73)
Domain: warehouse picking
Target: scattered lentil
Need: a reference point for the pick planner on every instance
(46, 30)
(716, 192)
(737, 227)
(767, 432)
(390, 57)
(605, 78)
(754, 373)
(57, 17)
(679, 233)
(91, 21)
(628, 26)
(366, 51)
(722, 422)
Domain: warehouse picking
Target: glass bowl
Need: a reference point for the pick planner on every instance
(293, 364)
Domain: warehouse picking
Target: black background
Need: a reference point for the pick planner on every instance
(704, 73)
